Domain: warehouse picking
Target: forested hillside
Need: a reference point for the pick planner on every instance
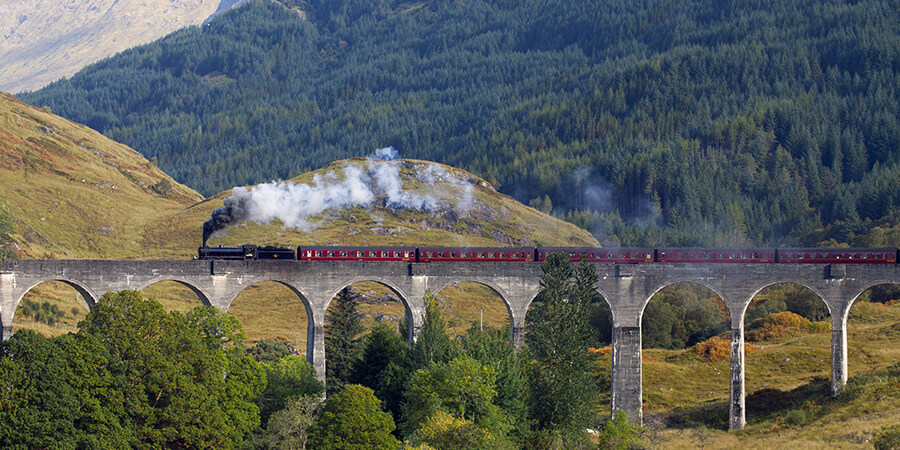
(647, 122)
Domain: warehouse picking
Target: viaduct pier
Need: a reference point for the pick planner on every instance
(626, 287)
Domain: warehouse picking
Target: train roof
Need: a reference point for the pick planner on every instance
(478, 248)
(838, 249)
(596, 249)
(357, 247)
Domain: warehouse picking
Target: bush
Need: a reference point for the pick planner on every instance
(621, 433)
(888, 438)
(795, 417)
(782, 324)
(718, 348)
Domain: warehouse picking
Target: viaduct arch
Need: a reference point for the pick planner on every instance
(626, 287)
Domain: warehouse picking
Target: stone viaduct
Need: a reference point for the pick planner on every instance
(626, 287)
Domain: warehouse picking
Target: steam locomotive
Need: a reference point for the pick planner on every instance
(539, 254)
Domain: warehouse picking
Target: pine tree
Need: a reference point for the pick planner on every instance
(558, 338)
(432, 344)
(341, 342)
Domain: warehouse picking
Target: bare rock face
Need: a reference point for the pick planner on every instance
(44, 40)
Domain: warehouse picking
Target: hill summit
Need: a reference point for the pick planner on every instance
(374, 201)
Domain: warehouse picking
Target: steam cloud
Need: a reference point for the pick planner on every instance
(294, 204)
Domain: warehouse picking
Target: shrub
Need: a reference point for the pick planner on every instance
(621, 433)
(795, 417)
(718, 348)
(782, 324)
(888, 438)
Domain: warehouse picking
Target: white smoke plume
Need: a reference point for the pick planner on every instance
(378, 180)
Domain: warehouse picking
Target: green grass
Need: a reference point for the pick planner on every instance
(788, 401)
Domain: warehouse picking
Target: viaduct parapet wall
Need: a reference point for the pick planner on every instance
(627, 287)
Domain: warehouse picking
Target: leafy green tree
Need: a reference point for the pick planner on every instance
(289, 427)
(443, 430)
(186, 381)
(493, 349)
(462, 388)
(61, 392)
(341, 342)
(288, 378)
(353, 419)
(432, 344)
(558, 337)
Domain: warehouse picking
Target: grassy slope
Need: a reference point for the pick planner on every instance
(73, 192)
(682, 391)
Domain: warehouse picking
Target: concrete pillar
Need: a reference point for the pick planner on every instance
(626, 373)
(7, 299)
(315, 342)
(518, 337)
(737, 415)
(416, 319)
(517, 328)
(838, 352)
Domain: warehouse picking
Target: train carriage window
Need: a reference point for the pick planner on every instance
(491, 255)
(481, 254)
(706, 255)
(731, 256)
(453, 254)
(343, 254)
(662, 254)
(463, 254)
(503, 254)
(331, 253)
(609, 255)
(755, 255)
(406, 254)
(429, 254)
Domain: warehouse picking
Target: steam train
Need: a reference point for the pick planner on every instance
(539, 254)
